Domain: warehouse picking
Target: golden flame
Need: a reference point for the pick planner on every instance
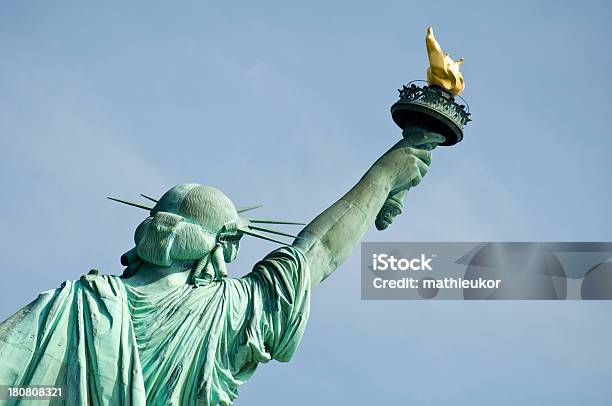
(443, 71)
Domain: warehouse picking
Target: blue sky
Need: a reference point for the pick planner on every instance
(287, 105)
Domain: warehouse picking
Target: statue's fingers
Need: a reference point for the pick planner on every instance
(416, 179)
(422, 166)
(421, 154)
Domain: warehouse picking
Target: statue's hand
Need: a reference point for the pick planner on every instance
(407, 161)
(404, 166)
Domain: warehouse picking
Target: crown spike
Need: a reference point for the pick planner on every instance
(139, 205)
(271, 221)
(254, 234)
(270, 230)
(248, 208)
(150, 198)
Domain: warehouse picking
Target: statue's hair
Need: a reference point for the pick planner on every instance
(184, 224)
(187, 223)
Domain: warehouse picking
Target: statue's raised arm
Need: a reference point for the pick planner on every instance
(330, 238)
(173, 328)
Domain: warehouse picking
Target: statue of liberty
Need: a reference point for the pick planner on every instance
(174, 328)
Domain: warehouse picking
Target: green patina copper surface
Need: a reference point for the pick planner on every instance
(113, 343)
(174, 328)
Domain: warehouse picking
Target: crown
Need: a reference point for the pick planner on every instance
(234, 230)
(432, 108)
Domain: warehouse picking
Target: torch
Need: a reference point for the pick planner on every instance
(428, 115)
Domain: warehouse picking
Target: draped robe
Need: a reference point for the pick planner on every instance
(109, 343)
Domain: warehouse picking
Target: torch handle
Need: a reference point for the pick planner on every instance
(392, 207)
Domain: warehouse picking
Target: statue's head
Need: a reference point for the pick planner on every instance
(191, 222)
(186, 224)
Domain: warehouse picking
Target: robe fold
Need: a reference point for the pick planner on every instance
(111, 344)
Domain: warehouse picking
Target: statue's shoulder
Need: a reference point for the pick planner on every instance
(285, 256)
(96, 284)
